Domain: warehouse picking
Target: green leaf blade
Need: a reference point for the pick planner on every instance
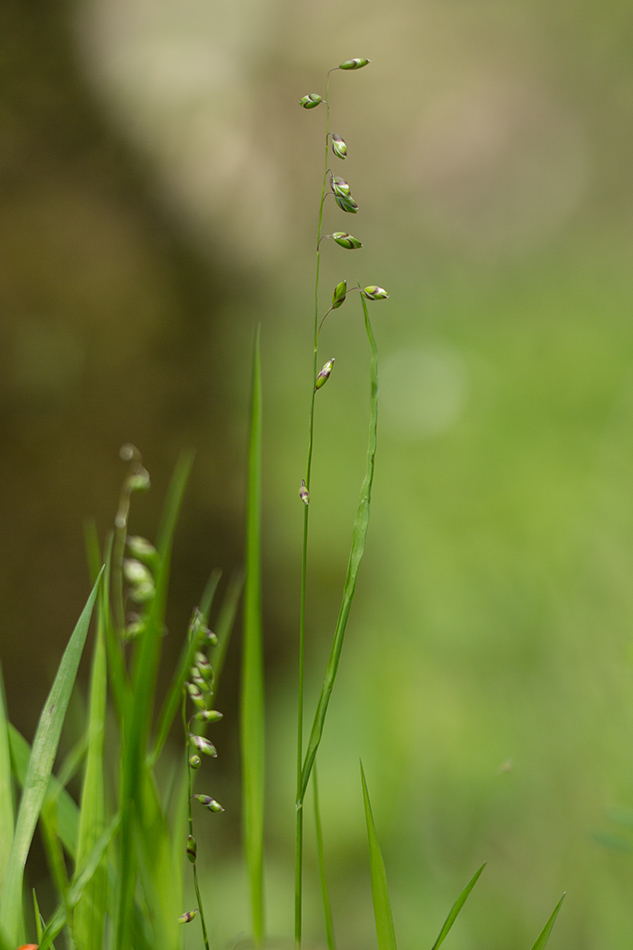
(39, 771)
(224, 625)
(161, 882)
(89, 915)
(7, 813)
(456, 908)
(138, 712)
(544, 935)
(252, 686)
(380, 894)
(78, 885)
(173, 699)
(67, 812)
(359, 535)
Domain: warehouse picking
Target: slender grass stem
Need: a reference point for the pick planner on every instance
(196, 885)
(356, 554)
(190, 823)
(304, 555)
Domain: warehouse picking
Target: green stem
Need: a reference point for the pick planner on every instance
(359, 535)
(205, 936)
(203, 923)
(304, 556)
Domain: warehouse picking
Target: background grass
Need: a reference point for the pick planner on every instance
(493, 614)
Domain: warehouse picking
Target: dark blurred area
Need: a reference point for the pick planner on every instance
(108, 334)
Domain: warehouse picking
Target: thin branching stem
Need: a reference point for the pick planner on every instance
(304, 555)
(199, 900)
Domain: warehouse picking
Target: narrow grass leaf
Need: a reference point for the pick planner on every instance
(159, 880)
(173, 699)
(67, 817)
(136, 722)
(224, 624)
(53, 849)
(76, 889)
(179, 811)
(141, 933)
(73, 760)
(147, 654)
(252, 685)
(325, 895)
(117, 672)
(544, 935)
(39, 920)
(173, 503)
(90, 911)
(382, 905)
(359, 535)
(7, 814)
(68, 824)
(456, 908)
(209, 593)
(93, 550)
(39, 770)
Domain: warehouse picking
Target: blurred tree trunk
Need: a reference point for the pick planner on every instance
(106, 336)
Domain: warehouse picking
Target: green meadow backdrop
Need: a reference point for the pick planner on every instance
(159, 190)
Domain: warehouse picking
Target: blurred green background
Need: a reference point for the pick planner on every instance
(159, 189)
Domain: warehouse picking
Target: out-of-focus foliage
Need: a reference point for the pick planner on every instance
(487, 678)
(106, 335)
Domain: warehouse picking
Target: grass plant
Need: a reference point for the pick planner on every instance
(118, 855)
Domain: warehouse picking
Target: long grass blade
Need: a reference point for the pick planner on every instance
(67, 818)
(39, 921)
(179, 808)
(382, 905)
(78, 885)
(208, 593)
(544, 935)
(72, 761)
(54, 849)
(67, 813)
(117, 672)
(90, 912)
(7, 813)
(325, 895)
(359, 535)
(39, 770)
(174, 694)
(50, 813)
(252, 685)
(298, 897)
(456, 908)
(224, 625)
(137, 722)
(159, 879)
(93, 550)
